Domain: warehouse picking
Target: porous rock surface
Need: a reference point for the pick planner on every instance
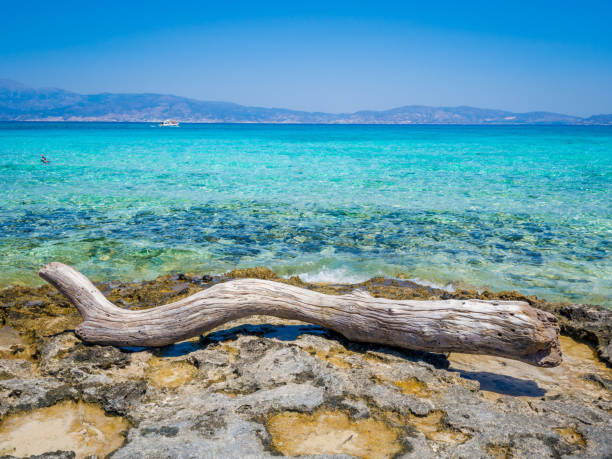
(223, 394)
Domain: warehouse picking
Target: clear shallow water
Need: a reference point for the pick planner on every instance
(525, 208)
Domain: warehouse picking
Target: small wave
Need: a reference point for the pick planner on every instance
(346, 276)
(334, 276)
(448, 287)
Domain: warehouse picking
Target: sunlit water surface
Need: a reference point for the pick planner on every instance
(523, 208)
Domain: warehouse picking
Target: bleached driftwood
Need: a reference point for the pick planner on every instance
(511, 329)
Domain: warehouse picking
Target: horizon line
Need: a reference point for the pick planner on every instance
(540, 124)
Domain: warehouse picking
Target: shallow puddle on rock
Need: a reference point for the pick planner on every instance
(434, 429)
(233, 353)
(498, 375)
(413, 386)
(575, 351)
(11, 344)
(9, 337)
(229, 393)
(571, 436)
(335, 356)
(499, 451)
(170, 374)
(230, 349)
(332, 432)
(66, 426)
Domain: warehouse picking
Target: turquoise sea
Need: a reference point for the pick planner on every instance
(527, 208)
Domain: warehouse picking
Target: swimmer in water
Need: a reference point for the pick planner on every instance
(43, 159)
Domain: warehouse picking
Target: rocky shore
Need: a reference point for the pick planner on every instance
(264, 387)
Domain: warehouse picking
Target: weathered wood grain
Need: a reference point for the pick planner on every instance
(511, 329)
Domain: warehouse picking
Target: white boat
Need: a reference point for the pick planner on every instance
(169, 123)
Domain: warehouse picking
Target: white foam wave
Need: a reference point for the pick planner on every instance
(334, 276)
(448, 287)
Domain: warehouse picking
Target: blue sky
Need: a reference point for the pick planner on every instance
(328, 56)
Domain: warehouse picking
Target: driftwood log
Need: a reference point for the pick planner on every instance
(511, 329)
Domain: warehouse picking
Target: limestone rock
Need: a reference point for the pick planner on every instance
(222, 395)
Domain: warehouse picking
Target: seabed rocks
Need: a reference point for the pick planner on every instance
(262, 387)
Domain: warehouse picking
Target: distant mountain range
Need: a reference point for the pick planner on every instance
(21, 103)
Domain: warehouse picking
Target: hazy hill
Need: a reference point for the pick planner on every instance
(600, 119)
(22, 103)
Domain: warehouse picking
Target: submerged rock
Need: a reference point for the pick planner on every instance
(261, 387)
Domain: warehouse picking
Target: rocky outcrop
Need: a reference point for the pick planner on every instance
(588, 323)
(261, 386)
